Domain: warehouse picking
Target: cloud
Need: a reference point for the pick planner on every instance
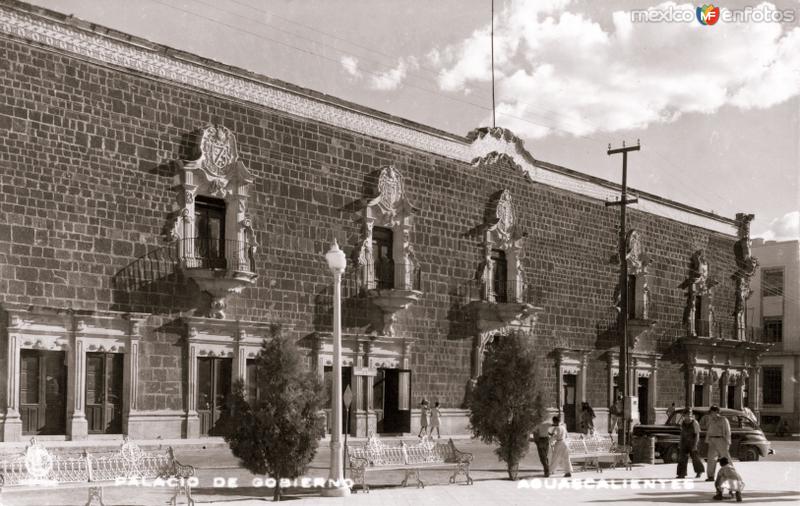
(561, 70)
(393, 78)
(350, 65)
(785, 228)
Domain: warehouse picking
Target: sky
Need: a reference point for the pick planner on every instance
(716, 107)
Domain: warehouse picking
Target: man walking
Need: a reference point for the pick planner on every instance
(541, 436)
(690, 438)
(718, 439)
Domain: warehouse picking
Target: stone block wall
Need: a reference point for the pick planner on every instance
(86, 188)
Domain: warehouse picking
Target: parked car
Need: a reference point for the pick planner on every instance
(747, 439)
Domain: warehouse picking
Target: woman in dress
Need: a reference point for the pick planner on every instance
(559, 454)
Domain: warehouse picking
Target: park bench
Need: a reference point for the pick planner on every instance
(374, 455)
(38, 467)
(591, 450)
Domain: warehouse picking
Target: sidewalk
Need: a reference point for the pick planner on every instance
(767, 482)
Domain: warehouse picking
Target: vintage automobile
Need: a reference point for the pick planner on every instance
(747, 440)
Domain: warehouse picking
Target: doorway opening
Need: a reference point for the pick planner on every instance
(213, 394)
(104, 392)
(43, 392)
(392, 395)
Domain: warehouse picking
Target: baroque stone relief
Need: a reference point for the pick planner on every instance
(746, 266)
(391, 209)
(501, 231)
(699, 285)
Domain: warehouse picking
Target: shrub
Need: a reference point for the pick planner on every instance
(278, 432)
(505, 404)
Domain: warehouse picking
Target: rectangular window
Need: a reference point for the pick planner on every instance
(252, 381)
(500, 280)
(773, 330)
(773, 385)
(771, 282)
(382, 257)
(209, 228)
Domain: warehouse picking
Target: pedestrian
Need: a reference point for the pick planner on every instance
(615, 412)
(435, 420)
(690, 439)
(559, 454)
(728, 478)
(587, 418)
(718, 439)
(670, 411)
(423, 418)
(541, 436)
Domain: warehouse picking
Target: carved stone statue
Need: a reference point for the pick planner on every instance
(746, 265)
(697, 284)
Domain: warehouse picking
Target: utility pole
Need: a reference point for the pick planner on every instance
(623, 287)
(494, 118)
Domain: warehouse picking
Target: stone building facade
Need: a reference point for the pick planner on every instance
(164, 214)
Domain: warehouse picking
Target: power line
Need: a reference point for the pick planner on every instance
(438, 93)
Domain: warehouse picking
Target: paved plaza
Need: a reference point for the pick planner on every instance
(772, 480)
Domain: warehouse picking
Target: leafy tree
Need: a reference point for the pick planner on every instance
(505, 405)
(278, 432)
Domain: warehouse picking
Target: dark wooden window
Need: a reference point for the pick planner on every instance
(500, 280)
(252, 381)
(382, 239)
(209, 228)
(773, 385)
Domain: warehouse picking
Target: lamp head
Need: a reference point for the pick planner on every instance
(337, 262)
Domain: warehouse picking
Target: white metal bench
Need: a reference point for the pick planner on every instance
(590, 450)
(427, 454)
(38, 467)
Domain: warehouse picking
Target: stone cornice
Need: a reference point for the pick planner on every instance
(65, 33)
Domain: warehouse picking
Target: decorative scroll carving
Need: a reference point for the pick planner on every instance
(746, 265)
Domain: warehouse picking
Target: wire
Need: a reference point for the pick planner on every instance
(689, 188)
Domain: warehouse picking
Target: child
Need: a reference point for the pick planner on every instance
(729, 478)
(423, 418)
(435, 419)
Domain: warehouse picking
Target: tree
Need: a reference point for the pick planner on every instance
(505, 405)
(278, 432)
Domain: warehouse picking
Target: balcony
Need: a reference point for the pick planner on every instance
(218, 267)
(497, 307)
(390, 299)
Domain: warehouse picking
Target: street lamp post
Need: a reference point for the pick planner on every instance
(336, 487)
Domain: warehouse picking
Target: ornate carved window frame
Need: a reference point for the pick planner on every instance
(638, 262)
(502, 232)
(219, 173)
(699, 285)
(390, 209)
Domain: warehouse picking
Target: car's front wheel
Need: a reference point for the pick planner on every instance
(748, 454)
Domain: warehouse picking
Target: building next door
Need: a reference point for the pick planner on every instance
(393, 394)
(570, 381)
(642, 391)
(213, 393)
(43, 392)
(104, 392)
